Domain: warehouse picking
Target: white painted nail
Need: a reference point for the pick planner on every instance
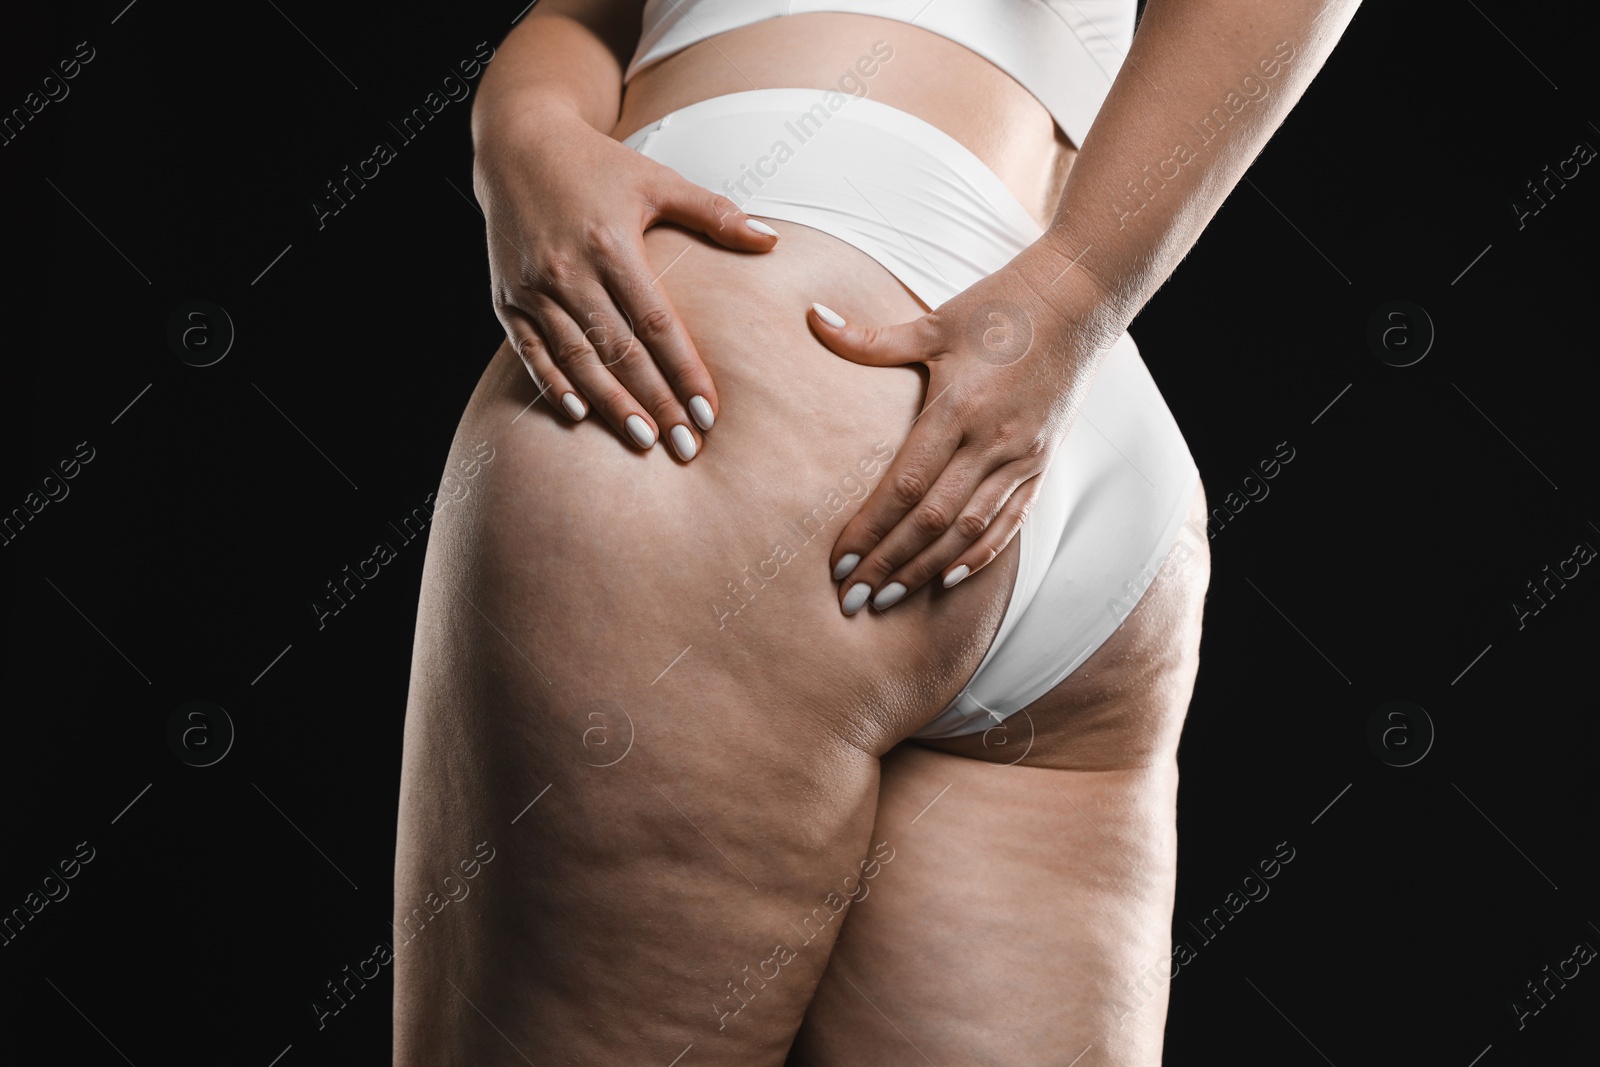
(700, 408)
(639, 430)
(856, 597)
(846, 564)
(889, 596)
(761, 227)
(572, 404)
(682, 442)
(956, 575)
(827, 314)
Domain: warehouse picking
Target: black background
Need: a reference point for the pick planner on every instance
(1381, 565)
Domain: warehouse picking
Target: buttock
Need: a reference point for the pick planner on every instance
(605, 566)
(934, 216)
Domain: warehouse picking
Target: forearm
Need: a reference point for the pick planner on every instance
(566, 55)
(1204, 86)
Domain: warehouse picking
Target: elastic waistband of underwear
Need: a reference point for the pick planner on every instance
(891, 184)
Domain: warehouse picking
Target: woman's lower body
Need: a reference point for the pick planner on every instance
(713, 839)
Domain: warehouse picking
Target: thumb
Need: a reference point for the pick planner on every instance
(875, 346)
(697, 208)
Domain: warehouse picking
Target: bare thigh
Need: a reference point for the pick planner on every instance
(1026, 915)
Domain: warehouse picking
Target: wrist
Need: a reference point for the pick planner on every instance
(518, 117)
(1082, 305)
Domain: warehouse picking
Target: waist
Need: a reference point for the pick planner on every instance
(894, 63)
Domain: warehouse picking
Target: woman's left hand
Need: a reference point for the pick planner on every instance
(1008, 368)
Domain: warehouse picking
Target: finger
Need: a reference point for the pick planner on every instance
(624, 354)
(1013, 486)
(1007, 521)
(876, 346)
(971, 523)
(948, 507)
(694, 207)
(933, 439)
(554, 387)
(574, 355)
(948, 501)
(612, 336)
(657, 326)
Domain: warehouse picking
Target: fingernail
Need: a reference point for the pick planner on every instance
(761, 227)
(700, 408)
(682, 442)
(889, 596)
(856, 597)
(639, 430)
(845, 566)
(573, 405)
(956, 575)
(827, 314)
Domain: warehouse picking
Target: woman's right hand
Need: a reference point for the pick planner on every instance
(567, 207)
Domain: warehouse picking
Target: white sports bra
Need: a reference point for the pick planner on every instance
(1065, 52)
